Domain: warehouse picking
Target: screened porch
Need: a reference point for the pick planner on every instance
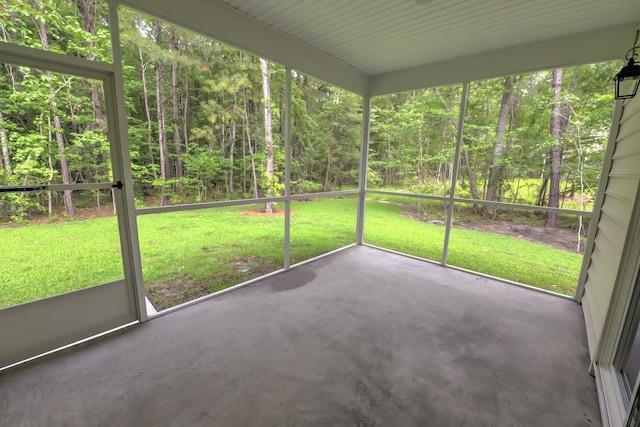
(266, 294)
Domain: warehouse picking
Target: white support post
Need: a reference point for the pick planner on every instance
(454, 177)
(131, 258)
(364, 161)
(287, 169)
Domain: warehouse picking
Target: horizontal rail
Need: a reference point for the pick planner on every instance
(326, 194)
(206, 205)
(68, 64)
(488, 203)
(417, 196)
(240, 202)
(525, 207)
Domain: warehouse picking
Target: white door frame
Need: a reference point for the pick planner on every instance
(33, 328)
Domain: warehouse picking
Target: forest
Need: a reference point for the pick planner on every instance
(205, 123)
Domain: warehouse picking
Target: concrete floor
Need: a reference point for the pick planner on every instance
(360, 338)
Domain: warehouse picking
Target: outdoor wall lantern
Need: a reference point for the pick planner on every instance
(628, 79)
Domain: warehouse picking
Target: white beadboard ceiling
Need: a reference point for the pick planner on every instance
(380, 46)
(379, 36)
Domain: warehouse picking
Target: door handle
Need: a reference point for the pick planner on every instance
(23, 188)
(60, 187)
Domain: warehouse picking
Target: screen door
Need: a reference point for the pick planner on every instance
(61, 204)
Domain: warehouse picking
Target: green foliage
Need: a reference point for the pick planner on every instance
(197, 104)
(301, 187)
(63, 19)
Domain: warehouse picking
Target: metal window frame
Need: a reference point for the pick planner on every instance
(462, 112)
(364, 166)
(451, 200)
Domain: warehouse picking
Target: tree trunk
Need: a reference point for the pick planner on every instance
(251, 150)
(296, 153)
(542, 193)
(4, 141)
(57, 123)
(147, 111)
(268, 136)
(498, 146)
(233, 142)
(555, 152)
(175, 98)
(390, 171)
(88, 11)
(473, 187)
(185, 112)
(162, 143)
(444, 166)
(51, 174)
(555, 156)
(244, 163)
(327, 184)
(160, 105)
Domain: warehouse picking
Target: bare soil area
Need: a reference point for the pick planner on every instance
(179, 289)
(559, 238)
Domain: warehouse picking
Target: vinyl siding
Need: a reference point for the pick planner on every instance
(613, 222)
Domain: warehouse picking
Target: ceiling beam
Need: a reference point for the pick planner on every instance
(584, 48)
(226, 24)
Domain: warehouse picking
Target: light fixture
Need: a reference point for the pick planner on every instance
(628, 79)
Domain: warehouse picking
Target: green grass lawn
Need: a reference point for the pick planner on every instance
(43, 260)
(187, 254)
(494, 254)
(510, 258)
